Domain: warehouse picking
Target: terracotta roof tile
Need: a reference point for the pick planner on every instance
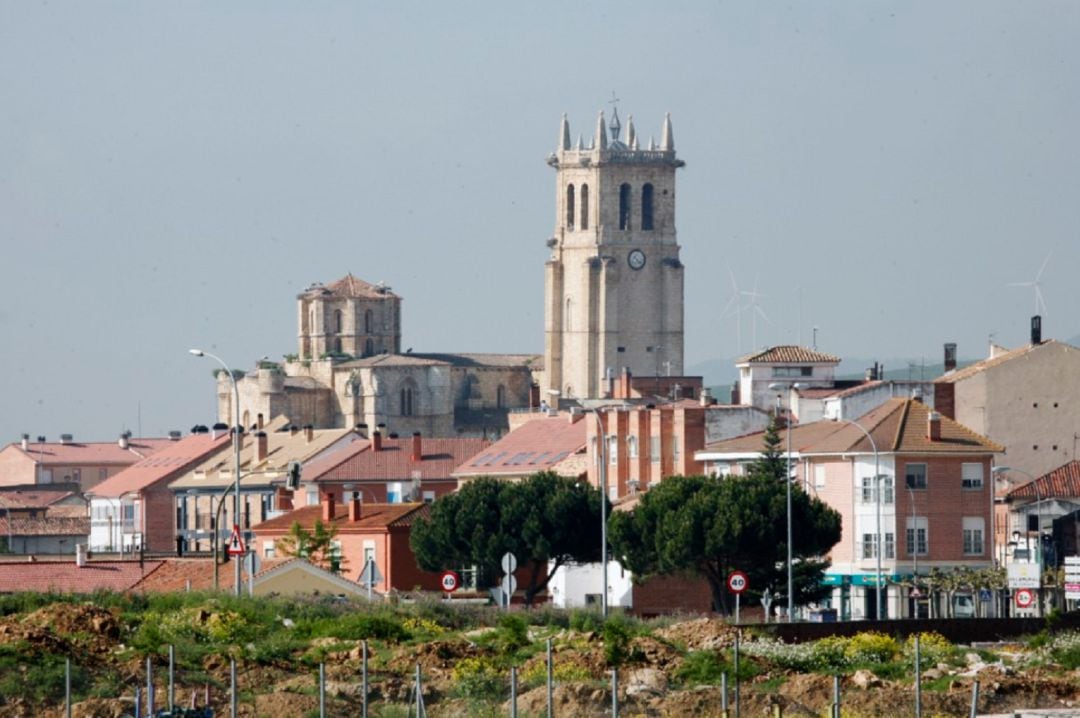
(537, 445)
(981, 366)
(394, 461)
(179, 456)
(177, 574)
(46, 525)
(99, 453)
(26, 499)
(373, 516)
(349, 287)
(788, 354)
(1062, 482)
(66, 577)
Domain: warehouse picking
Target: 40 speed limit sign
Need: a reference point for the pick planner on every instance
(737, 582)
(449, 581)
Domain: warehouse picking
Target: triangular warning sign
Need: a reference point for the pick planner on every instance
(236, 543)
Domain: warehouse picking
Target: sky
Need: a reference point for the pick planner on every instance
(173, 174)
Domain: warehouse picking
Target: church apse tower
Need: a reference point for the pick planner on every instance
(613, 287)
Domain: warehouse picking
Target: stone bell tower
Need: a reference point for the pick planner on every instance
(613, 286)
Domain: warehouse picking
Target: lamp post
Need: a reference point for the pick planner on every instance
(877, 495)
(787, 486)
(236, 452)
(1033, 482)
(915, 551)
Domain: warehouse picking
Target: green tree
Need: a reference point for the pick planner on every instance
(543, 518)
(316, 545)
(711, 526)
(772, 461)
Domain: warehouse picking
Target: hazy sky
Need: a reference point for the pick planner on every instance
(173, 174)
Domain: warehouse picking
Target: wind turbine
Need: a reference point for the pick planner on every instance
(756, 312)
(734, 308)
(1040, 305)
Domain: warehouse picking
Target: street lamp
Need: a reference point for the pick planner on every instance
(877, 494)
(787, 484)
(601, 455)
(1033, 482)
(236, 452)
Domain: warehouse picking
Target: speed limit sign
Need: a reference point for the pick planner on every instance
(449, 581)
(737, 582)
(1024, 598)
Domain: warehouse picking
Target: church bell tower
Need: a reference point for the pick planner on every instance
(613, 286)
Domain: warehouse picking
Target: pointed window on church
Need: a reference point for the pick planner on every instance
(569, 318)
(584, 206)
(338, 324)
(408, 396)
(500, 397)
(647, 207)
(570, 207)
(624, 206)
(369, 348)
(369, 321)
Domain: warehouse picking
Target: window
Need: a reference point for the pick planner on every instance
(338, 323)
(394, 492)
(406, 401)
(869, 491)
(584, 206)
(369, 348)
(971, 476)
(568, 321)
(890, 545)
(613, 449)
(819, 476)
(102, 474)
(570, 207)
(369, 322)
(369, 553)
(647, 206)
(792, 371)
(654, 448)
(500, 397)
(973, 536)
(624, 206)
(631, 447)
(312, 497)
(335, 555)
(337, 345)
(268, 549)
(77, 475)
(917, 539)
(869, 496)
(869, 545)
(915, 476)
(887, 493)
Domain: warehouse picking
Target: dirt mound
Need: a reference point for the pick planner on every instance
(436, 658)
(700, 634)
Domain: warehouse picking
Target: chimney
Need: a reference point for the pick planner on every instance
(174, 435)
(80, 555)
(259, 421)
(25, 442)
(933, 431)
(1036, 330)
(355, 507)
(217, 429)
(328, 508)
(309, 433)
(260, 446)
(361, 429)
(417, 447)
(950, 356)
(66, 438)
(122, 442)
(706, 397)
(376, 440)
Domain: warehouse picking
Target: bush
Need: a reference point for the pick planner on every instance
(617, 637)
(536, 674)
(512, 633)
(870, 647)
(360, 626)
(585, 621)
(479, 678)
(830, 653)
(934, 648)
(702, 668)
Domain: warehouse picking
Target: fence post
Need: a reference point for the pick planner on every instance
(363, 703)
(550, 683)
(918, 677)
(138, 702)
(172, 677)
(723, 695)
(67, 687)
(149, 687)
(614, 693)
(736, 664)
(421, 712)
(836, 696)
(513, 691)
(974, 699)
(322, 690)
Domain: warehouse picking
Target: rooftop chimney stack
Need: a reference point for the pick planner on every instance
(66, 438)
(950, 356)
(356, 507)
(25, 442)
(174, 435)
(261, 443)
(328, 507)
(933, 429)
(309, 433)
(376, 440)
(80, 555)
(1036, 330)
(122, 442)
(417, 447)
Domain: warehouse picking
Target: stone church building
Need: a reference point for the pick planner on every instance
(349, 370)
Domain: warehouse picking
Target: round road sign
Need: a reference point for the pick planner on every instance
(737, 582)
(449, 581)
(1024, 597)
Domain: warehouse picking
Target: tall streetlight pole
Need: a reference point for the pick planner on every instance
(1033, 482)
(787, 486)
(236, 454)
(877, 494)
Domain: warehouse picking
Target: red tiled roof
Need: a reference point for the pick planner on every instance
(394, 461)
(898, 425)
(981, 366)
(349, 287)
(1062, 482)
(26, 499)
(178, 456)
(788, 354)
(177, 574)
(101, 453)
(537, 445)
(373, 516)
(46, 525)
(66, 577)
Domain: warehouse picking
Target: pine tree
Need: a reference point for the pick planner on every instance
(772, 462)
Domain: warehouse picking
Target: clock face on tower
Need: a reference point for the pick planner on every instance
(636, 259)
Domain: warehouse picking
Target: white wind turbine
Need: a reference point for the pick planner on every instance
(1040, 305)
(734, 308)
(756, 311)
